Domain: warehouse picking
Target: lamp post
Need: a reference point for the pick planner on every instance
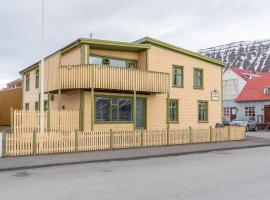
(41, 71)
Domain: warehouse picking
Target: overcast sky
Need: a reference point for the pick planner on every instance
(190, 24)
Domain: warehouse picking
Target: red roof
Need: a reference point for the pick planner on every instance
(254, 88)
(242, 72)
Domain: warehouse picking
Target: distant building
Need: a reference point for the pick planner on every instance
(246, 94)
(10, 97)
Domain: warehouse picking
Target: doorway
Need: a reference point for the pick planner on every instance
(267, 114)
(141, 113)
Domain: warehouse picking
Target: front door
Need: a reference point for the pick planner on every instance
(233, 113)
(267, 114)
(140, 113)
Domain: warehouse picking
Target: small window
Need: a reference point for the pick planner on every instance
(203, 111)
(198, 78)
(26, 106)
(250, 111)
(37, 78)
(267, 90)
(36, 106)
(177, 76)
(173, 110)
(27, 82)
(226, 112)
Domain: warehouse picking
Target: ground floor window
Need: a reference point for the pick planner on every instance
(250, 111)
(113, 109)
(226, 112)
(26, 106)
(173, 110)
(202, 111)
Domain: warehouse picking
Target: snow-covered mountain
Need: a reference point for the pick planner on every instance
(252, 55)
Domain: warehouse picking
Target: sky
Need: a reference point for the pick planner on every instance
(189, 24)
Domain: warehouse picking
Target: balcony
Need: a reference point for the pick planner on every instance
(111, 78)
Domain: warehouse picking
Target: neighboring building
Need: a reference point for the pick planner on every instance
(254, 99)
(10, 97)
(117, 85)
(244, 95)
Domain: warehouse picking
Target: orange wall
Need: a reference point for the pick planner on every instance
(8, 99)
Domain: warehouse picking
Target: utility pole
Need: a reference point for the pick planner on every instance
(41, 71)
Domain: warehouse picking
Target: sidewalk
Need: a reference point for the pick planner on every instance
(26, 162)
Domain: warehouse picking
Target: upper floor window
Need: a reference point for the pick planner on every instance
(177, 76)
(27, 82)
(113, 109)
(203, 111)
(173, 110)
(267, 90)
(198, 78)
(37, 78)
(114, 62)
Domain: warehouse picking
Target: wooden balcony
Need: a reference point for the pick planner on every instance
(112, 78)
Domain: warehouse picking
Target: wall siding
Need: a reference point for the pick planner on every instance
(71, 57)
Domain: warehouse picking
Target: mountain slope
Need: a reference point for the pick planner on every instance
(252, 55)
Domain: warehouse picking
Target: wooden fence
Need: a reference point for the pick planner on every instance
(24, 121)
(70, 141)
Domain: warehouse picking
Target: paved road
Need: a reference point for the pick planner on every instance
(235, 174)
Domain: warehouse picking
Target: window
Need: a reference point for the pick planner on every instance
(177, 78)
(226, 112)
(267, 90)
(26, 106)
(203, 111)
(36, 106)
(27, 82)
(173, 110)
(250, 111)
(95, 60)
(198, 78)
(114, 62)
(37, 78)
(113, 109)
(45, 105)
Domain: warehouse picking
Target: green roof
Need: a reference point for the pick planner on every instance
(146, 40)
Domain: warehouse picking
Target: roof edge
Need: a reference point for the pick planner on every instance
(179, 49)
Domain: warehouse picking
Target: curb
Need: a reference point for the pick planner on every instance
(130, 158)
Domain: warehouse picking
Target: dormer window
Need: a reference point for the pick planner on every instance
(267, 90)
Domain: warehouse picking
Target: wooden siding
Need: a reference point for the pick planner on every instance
(118, 54)
(51, 72)
(162, 60)
(105, 77)
(9, 98)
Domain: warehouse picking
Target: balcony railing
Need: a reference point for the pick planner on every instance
(113, 78)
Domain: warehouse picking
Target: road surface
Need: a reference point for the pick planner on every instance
(235, 174)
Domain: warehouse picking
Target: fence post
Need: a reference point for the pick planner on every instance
(210, 127)
(12, 119)
(76, 140)
(141, 137)
(190, 134)
(34, 143)
(168, 136)
(2, 144)
(229, 133)
(111, 139)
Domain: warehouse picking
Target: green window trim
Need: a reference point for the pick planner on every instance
(203, 111)
(179, 74)
(106, 57)
(37, 108)
(27, 82)
(200, 71)
(173, 105)
(37, 79)
(113, 104)
(26, 106)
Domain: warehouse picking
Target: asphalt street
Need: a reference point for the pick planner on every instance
(233, 174)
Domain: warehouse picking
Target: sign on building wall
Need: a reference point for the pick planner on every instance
(215, 95)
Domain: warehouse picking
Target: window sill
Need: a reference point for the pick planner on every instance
(113, 122)
(175, 86)
(198, 88)
(203, 121)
